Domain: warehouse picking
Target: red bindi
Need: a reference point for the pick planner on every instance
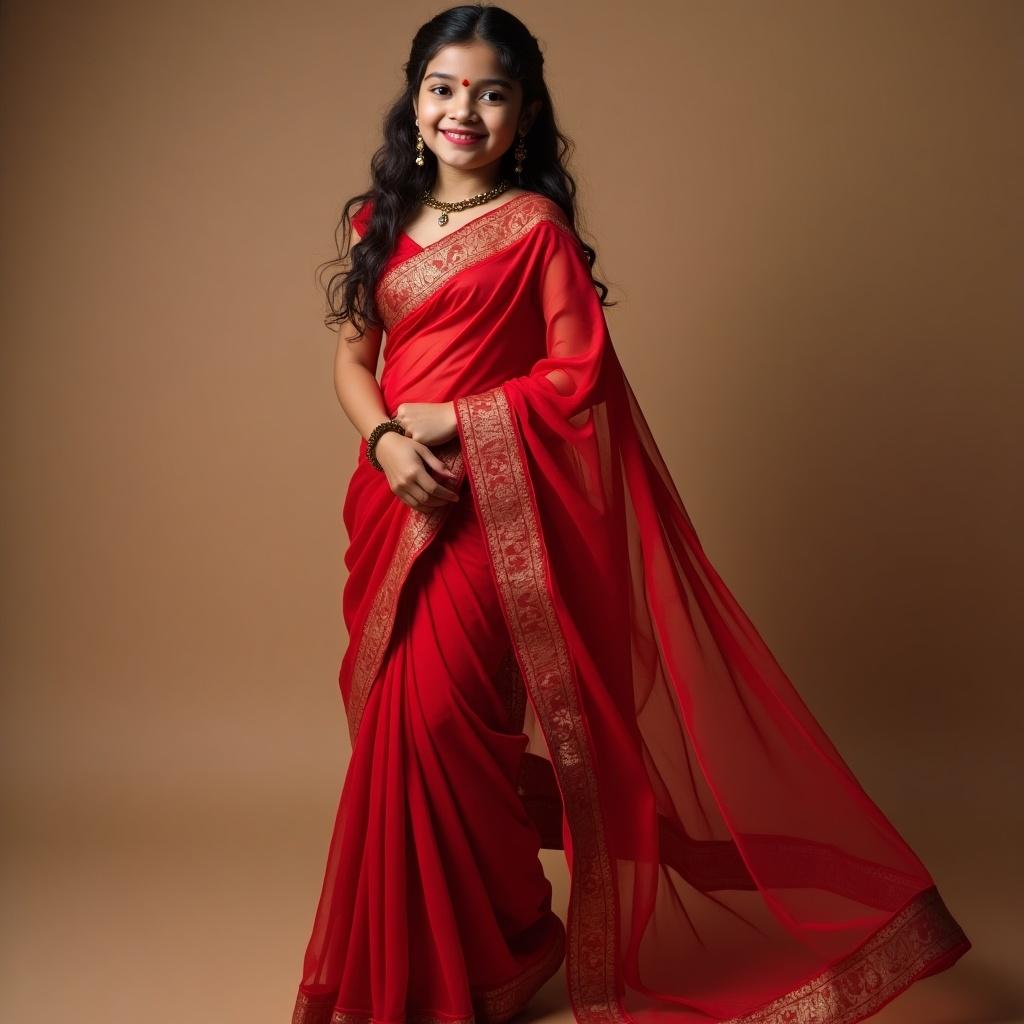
(465, 81)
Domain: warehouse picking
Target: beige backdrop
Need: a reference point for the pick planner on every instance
(812, 217)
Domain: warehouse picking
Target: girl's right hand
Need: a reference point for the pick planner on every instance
(405, 463)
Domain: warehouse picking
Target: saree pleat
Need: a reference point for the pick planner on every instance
(435, 905)
(601, 692)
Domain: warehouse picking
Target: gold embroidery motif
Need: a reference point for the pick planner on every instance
(501, 487)
(404, 287)
(420, 528)
(914, 943)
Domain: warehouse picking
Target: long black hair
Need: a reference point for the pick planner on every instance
(398, 182)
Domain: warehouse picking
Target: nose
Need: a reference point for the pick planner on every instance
(462, 109)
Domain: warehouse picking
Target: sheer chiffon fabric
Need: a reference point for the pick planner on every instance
(435, 905)
(725, 862)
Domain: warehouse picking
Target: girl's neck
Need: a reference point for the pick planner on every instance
(452, 185)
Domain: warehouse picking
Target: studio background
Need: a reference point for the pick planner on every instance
(811, 216)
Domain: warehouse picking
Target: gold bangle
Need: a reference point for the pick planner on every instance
(375, 435)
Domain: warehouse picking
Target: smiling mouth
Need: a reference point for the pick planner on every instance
(460, 136)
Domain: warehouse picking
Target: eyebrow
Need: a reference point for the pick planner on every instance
(482, 81)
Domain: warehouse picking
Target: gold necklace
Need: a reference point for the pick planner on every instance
(463, 204)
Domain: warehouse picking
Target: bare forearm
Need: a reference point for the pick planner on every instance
(360, 397)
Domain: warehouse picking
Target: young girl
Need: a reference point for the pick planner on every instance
(541, 654)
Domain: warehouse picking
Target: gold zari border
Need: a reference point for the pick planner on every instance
(907, 947)
(419, 529)
(500, 483)
(407, 285)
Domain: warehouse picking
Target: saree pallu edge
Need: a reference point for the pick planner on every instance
(920, 939)
(501, 487)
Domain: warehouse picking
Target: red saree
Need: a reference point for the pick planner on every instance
(554, 662)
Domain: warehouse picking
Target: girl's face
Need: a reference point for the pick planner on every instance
(488, 108)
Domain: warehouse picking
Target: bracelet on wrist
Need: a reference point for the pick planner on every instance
(375, 435)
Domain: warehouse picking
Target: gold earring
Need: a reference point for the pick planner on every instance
(520, 155)
(419, 145)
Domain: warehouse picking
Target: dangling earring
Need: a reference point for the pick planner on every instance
(419, 145)
(520, 156)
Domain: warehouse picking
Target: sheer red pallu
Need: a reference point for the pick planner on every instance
(554, 662)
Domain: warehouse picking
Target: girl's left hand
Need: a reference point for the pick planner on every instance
(430, 423)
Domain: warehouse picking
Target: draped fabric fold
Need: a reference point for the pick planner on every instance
(725, 862)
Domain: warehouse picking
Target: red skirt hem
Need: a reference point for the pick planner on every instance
(492, 1005)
